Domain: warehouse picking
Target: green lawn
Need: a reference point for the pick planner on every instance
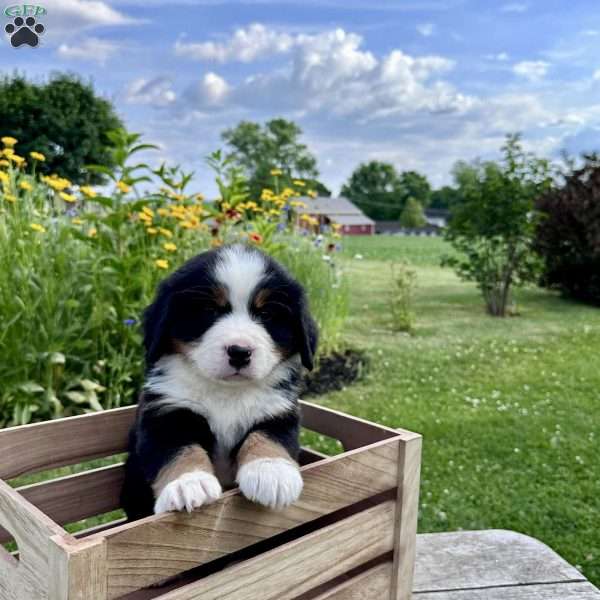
(508, 407)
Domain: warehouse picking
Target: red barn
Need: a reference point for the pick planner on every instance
(328, 211)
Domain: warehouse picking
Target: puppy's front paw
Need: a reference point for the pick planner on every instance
(274, 482)
(189, 491)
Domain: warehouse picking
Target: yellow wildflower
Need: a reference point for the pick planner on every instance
(336, 226)
(18, 160)
(225, 206)
(123, 187)
(145, 217)
(10, 197)
(37, 227)
(86, 190)
(266, 195)
(76, 221)
(276, 172)
(273, 212)
(298, 204)
(169, 246)
(165, 232)
(287, 192)
(299, 182)
(68, 197)
(8, 152)
(199, 197)
(56, 183)
(187, 225)
(151, 230)
(4, 178)
(161, 263)
(163, 212)
(9, 141)
(312, 193)
(216, 242)
(37, 156)
(148, 211)
(4, 163)
(92, 232)
(25, 185)
(178, 197)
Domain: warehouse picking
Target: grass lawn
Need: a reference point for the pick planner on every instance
(508, 407)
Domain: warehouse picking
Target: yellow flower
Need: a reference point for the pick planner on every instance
(312, 193)
(37, 227)
(145, 217)
(9, 141)
(216, 243)
(148, 211)
(274, 213)
(187, 225)
(298, 204)
(199, 197)
(8, 152)
(178, 197)
(169, 247)
(165, 232)
(163, 212)
(276, 172)
(10, 198)
(123, 187)
(18, 160)
(76, 221)
(86, 190)
(68, 197)
(299, 182)
(161, 263)
(56, 183)
(4, 163)
(25, 185)
(37, 156)
(151, 230)
(92, 232)
(4, 178)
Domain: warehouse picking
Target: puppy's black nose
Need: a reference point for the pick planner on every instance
(239, 356)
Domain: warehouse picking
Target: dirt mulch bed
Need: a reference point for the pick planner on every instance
(336, 372)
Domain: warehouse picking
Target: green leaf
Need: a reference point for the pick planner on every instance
(31, 387)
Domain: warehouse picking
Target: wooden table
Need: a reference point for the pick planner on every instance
(494, 565)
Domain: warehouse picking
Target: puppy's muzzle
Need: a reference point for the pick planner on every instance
(239, 356)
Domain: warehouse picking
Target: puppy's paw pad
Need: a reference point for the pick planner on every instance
(189, 491)
(273, 482)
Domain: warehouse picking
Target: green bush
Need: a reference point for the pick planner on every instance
(78, 267)
(401, 297)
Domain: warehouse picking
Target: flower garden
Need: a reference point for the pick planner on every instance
(78, 265)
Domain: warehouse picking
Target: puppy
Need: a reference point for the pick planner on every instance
(226, 339)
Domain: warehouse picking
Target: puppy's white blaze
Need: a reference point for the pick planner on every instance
(240, 270)
(230, 410)
(273, 482)
(189, 491)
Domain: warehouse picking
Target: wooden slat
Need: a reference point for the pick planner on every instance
(296, 567)
(27, 578)
(374, 584)
(52, 444)
(559, 591)
(352, 432)
(158, 547)
(407, 512)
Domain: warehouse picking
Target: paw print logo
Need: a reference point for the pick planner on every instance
(24, 31)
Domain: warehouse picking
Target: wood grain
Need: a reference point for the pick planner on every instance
(296, 567)
(560, 591)
(158, 547)
(374, 584)
(52, 444)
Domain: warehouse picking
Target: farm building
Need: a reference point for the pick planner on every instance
(329, 211)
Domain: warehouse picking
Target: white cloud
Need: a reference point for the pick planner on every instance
(500, 56)
(245, 45)
(211, 91)
(514, 7)
(596, 75)
(91, 49)
(426, 29)
(155, 92)
(533, 70)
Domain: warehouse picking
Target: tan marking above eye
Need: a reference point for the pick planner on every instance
(261, 298)
(220, 296)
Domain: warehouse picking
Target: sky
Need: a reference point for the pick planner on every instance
(420, 84)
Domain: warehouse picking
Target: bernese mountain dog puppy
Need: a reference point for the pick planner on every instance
(226, 339)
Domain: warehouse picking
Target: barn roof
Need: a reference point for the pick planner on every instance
(323, 205)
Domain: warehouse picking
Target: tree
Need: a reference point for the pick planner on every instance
(416, 186)
(259, 150)
(568, 235)
(375, 187)
(412, 215)
(64, 120)
(493, 228)
(444, 198)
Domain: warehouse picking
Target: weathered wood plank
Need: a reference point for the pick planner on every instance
(374, 584)
(407, 512)
(158, 547)
(480, 559)
(560, 591)
(52, 444)
(292, 569)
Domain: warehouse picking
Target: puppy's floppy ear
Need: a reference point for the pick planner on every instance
(156, 324)
(308, 334)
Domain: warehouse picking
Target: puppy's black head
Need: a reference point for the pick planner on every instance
(234, 313)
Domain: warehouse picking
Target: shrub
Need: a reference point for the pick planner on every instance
(568, 235)
(77, 268)
(401, 299)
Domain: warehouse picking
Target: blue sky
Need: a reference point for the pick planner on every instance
(420, 84)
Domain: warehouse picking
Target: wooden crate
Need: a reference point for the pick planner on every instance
(350, 536)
